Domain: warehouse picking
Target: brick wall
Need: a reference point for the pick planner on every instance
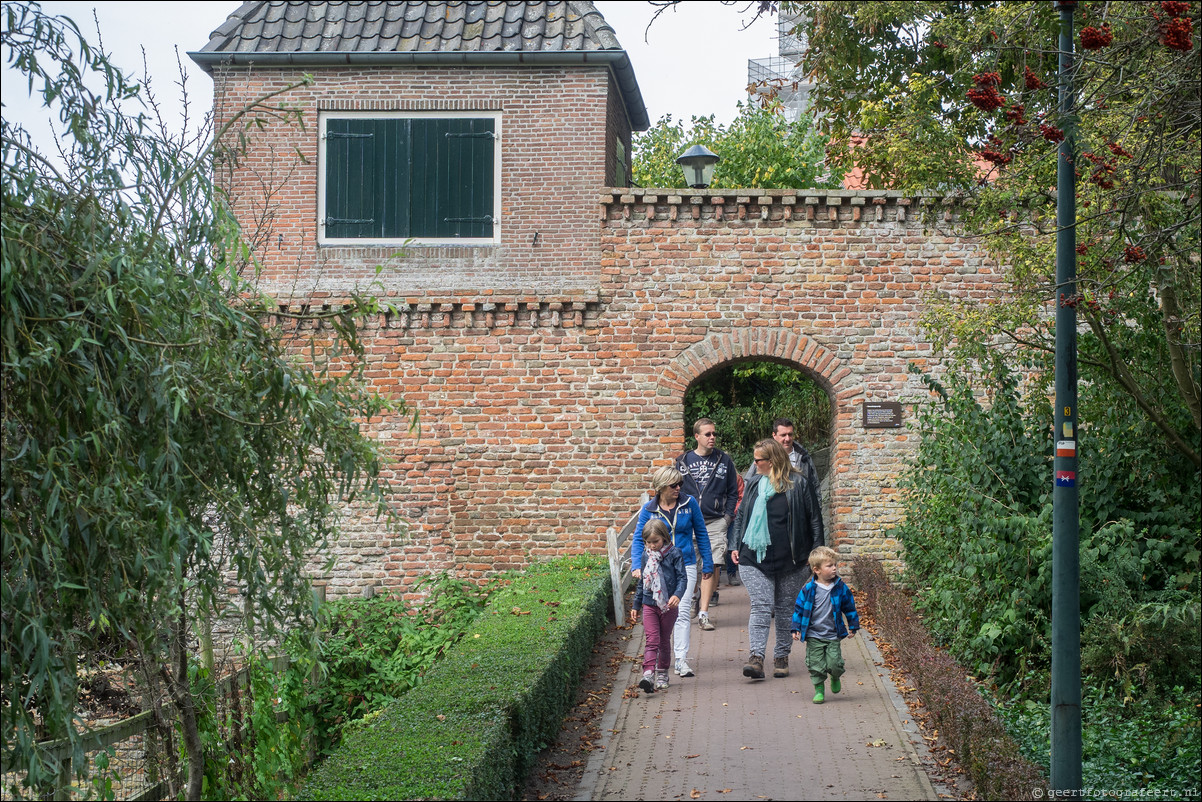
(550, 377)
(558, 129)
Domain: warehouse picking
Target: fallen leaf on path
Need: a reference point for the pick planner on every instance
(690, 757)
(695, 793)
(877, 742)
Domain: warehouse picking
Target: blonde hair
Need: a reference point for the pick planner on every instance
(822, 555)
(779, 468)
(664, 477)
(656, 528)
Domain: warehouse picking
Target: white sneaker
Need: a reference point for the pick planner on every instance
(682, 668)
(703, 621)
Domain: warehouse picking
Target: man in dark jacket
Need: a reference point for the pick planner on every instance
(710, 477)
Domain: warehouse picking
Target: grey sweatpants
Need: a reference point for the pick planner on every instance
(771, 593)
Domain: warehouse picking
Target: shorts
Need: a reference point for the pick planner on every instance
(717, 530)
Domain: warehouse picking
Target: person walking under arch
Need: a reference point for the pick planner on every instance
(710, 477)
(777, 526)
(799, 458)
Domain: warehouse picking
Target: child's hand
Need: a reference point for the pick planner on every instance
(797, 636)
(674, 602)
(636, 573)
(852, 633)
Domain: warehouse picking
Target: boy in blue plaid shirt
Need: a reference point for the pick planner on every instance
(818, 620)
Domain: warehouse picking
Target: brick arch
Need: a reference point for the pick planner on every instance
(756, 343)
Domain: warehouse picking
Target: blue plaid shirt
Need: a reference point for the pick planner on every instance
(842, 604)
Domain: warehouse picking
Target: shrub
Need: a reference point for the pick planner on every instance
(471, 730)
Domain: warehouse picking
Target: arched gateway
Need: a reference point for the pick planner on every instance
(545, 327)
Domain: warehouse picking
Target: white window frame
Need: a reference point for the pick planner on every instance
(325, 116)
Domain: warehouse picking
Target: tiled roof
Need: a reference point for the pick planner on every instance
(406, 27)
(313, 34)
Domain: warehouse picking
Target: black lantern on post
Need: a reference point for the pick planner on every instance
(698, 165)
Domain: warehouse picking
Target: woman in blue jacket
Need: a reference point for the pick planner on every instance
(682, 515)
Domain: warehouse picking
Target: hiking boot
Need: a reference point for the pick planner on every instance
(835, 685)
(780, 667)
(704, 621)
(734, 580)
(682, 668)
(661, 680)
(714, 598)
(647, 682)
(755, 667)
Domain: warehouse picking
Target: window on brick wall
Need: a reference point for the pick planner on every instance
(388, 178)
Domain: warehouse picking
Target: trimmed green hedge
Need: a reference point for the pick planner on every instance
(472, 729)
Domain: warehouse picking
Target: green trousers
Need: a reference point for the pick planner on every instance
(823, 657)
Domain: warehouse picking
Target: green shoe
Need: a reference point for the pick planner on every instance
(835, 686)
(819, 695)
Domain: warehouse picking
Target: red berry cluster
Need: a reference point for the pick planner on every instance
(1133, 253)
(1175, 8)
(1051, 133)
(1118, 150)
(1015, 114)
(985, 95)
(995, 154)
(1178, 34)
(1103, 172)
(1096, 38)
(1032, 81)
(1082, 248)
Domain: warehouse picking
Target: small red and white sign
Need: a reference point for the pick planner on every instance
(1066, 448)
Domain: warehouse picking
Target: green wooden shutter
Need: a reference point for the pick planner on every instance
(395, 178)
(351, 208)
(451, 189)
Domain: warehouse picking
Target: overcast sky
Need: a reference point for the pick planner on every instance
(692, 60)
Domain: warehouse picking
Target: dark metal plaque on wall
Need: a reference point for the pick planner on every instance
(882, 415)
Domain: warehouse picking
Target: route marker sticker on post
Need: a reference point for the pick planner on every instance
(1066, 448)
(1066, 478)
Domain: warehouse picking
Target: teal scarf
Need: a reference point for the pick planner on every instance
(756, 537)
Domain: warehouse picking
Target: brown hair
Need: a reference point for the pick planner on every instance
(656, 528)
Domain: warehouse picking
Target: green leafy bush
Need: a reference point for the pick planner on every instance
(472, 728)
(1154, 746)
(372, 651)
(978, 532)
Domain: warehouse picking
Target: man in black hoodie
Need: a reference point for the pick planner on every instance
(710, 477)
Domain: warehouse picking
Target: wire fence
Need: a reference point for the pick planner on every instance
(136, 758)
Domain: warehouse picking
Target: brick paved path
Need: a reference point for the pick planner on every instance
(721, 736)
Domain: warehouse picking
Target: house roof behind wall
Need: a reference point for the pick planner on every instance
(554, 33)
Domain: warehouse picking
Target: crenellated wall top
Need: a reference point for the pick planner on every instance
(816, 205)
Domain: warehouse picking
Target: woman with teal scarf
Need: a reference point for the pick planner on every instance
(775, 529)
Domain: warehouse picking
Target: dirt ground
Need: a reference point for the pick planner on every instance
(558, 771)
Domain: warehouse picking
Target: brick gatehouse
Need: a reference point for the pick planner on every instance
(547, 327)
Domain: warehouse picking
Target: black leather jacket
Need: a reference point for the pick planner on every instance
(805, 517)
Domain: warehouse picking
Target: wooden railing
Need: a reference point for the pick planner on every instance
(618, 543)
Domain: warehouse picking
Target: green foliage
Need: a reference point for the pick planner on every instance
(744, 399)
(369, 652)
(978, 535)
(472, 728)
(760, 148)
(961, 97)
(1154, 747)
(160, 442)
